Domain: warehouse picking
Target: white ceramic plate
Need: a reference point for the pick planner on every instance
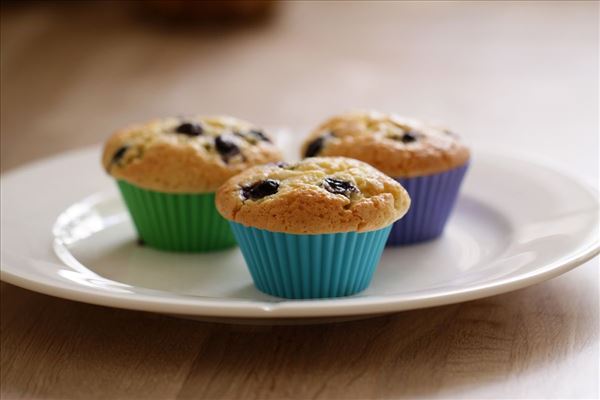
(66, 233)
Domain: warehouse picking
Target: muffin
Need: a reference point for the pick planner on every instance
(315, 228)
(430, 162)
(169, 169)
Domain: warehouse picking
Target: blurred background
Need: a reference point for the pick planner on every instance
(515, 76)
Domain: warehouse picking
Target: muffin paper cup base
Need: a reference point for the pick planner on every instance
(310, 266)
(432, 200)
(177, 222)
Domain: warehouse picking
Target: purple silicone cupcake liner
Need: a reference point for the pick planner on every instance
(432, 200)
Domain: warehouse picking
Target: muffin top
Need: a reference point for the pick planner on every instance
(316, 195)
(399, 147)
(186, 155)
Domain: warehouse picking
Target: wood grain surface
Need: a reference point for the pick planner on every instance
(508, 75)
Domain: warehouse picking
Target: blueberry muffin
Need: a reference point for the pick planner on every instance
(315, 228)
(429, 161)
(168, 170)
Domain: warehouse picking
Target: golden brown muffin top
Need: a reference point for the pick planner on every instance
(186, 155)
(314, 196)
(398, 146)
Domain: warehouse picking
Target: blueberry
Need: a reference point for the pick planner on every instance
(280, 164)
(226, 148)
(337, 186)
(119, 154)
(260, 189)
(315, 147)
(409, 137)
(253, 136)
(283, 165)
(259, 135)
(190, 129)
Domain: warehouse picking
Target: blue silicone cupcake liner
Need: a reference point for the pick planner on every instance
(310, 266)
(432, 200)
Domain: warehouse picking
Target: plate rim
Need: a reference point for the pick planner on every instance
(351, 306)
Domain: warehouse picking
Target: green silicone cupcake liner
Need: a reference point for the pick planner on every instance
(310, 266)
(177, 222)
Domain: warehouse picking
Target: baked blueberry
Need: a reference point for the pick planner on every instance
(337, 186)
(409, 137)
(260, 189)
(118, 155)
(190, 129)
(240, 134)
(315, 147)
(253, 136)
(226, 148)
(259, 135)
(280, 164)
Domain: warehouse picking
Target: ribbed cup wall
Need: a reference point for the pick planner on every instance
(177, 222)
(310, 266)
(432, 200)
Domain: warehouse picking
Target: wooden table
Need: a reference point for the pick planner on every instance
(512, 76)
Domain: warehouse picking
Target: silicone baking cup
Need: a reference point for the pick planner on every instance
(177, 222)
(432, 200)
(310, 266)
